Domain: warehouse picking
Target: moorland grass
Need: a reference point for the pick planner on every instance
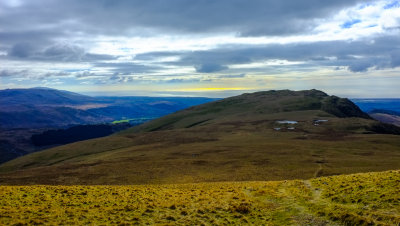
(358, 199)
(222, 152)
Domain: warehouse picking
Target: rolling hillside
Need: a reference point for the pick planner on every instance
(273, 135)
(28, 112)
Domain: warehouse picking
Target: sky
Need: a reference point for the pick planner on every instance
(213, 48)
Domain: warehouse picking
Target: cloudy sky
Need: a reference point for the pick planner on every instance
(214, 48)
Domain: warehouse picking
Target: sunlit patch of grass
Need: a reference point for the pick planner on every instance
(370, 198)
(214, 203)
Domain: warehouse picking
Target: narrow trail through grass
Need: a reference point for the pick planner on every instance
(319, 171)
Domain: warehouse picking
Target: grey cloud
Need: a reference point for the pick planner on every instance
(63, 53)
(357, 56)
(127, 68)
(9, 73)
(57, 74)
(55, 52)
(39, 37)
(84, 74)
(115, 76)
(120, 79)
(395, 58)
(21, 50)
(244, 17)
(233, 76)
(210, 67)
(360, 66)
(155, 55)
(32, 32)
(90, 57)
(180, 80)
(32, 74)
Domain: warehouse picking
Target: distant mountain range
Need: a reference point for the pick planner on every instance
(384, 110)
(372, 104)
(271, 135)
(44, 107)
(27, 112)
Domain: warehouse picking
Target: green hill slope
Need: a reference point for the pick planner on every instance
(239, 138)
(258, 105)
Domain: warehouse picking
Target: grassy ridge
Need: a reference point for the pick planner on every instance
(359, 199)
(247, 150)
(233, 139)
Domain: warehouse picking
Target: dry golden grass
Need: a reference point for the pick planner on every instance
(370, 198)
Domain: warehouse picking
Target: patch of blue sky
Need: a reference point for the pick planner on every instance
(349, 24)
(393, 4)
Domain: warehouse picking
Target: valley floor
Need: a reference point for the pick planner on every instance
(356, 199)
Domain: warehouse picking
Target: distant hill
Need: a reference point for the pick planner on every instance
(50, 108)
(44, 107)
(41, 96)
(272, 135)
(370, 104)
(27, 112)
(258, 105)
(383, 110)
(390, 117)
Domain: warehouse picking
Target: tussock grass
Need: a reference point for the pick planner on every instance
(358, 199)
(368, 198)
